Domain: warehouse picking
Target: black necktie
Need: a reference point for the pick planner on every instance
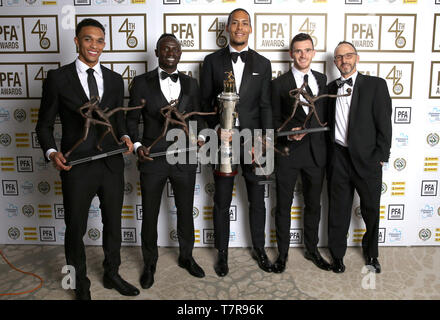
(93, 87)
(243, 56)
(306, 81)
(340, 83)
(173, 76)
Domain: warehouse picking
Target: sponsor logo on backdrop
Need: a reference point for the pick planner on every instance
(10, 187)
(296, 236)
(399, 164)
(128, 70)
(28, 210)
(274, 31)
(395, 235)
(128, 235)
(434, 86)
(13, 233)
(396, 211)
(59, 211)
(208, 236)
(353, 1)
(171, 1)
(382, 234)
(381, 32)
(402, 115)
(47, 234)
(427, 211)
(425, 234)
(436, 33)
(429, 188)
(432, 139)
(126, 33)
(198, 32)
(24, 164)
(431, 164)
(24, 80)
(398, 74)
(94, 234)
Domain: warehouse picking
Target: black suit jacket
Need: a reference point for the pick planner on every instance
(147, 87)
(254, 109)
(314, 143)
(369, 125)
(63, 94)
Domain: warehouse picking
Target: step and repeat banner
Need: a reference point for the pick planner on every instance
(398, 40)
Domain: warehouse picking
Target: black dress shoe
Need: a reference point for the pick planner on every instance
(263, 261)
(317, 259)
(192, 267)
(82, 294)
(221, 266)
(338, 265)
(147, 278)
(374, 264)
(122, 286)
(280, 264)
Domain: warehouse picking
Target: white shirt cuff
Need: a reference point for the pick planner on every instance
(48, 152)
(136, 145)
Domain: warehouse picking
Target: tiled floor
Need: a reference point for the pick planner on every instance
(407, 273)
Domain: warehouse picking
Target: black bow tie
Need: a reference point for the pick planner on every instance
(243, 56)
(173, 76)
(340, 83)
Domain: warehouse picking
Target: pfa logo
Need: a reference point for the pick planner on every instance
(273, 32)
(434, 86)
(128, 31)
(198, 32)
(381, 32)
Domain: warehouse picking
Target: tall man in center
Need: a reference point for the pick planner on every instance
(252, 73)
(158, 88)
(307, 154)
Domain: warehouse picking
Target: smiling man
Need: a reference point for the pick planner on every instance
(252, 73)
(64, 91)
(158, 88)
(307, 156)
(360, 142)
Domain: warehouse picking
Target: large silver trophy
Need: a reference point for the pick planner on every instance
(227, 101)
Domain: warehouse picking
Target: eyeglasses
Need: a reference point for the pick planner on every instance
(347, 56)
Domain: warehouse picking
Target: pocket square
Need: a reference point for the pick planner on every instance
(255, 74)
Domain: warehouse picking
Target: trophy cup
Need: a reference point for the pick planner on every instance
(227, 100)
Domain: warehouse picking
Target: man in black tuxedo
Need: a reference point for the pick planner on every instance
(307, 152)
(158, 88)
(360, 143)
(252, 73)
(64, 91)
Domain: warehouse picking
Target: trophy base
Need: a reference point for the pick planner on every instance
(82, 158)
(226, 174)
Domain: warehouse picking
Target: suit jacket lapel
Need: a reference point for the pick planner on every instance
(247, 72)
(184, 89)
(227, 63)
(155, 87)
(107, 85)
(76, 84)
(355, 99)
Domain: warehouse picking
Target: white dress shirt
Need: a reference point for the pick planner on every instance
(170, 89)
(81, 69)
(238, 68)
(342, 112)
(299, 79)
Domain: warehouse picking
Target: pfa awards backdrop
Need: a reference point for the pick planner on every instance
(398, 40)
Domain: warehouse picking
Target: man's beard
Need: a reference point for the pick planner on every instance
(232, 42)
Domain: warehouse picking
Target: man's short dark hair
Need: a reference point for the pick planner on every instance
(349, 43)
(165, 35)
(301, 37)
(89, 22)
(235, 10)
